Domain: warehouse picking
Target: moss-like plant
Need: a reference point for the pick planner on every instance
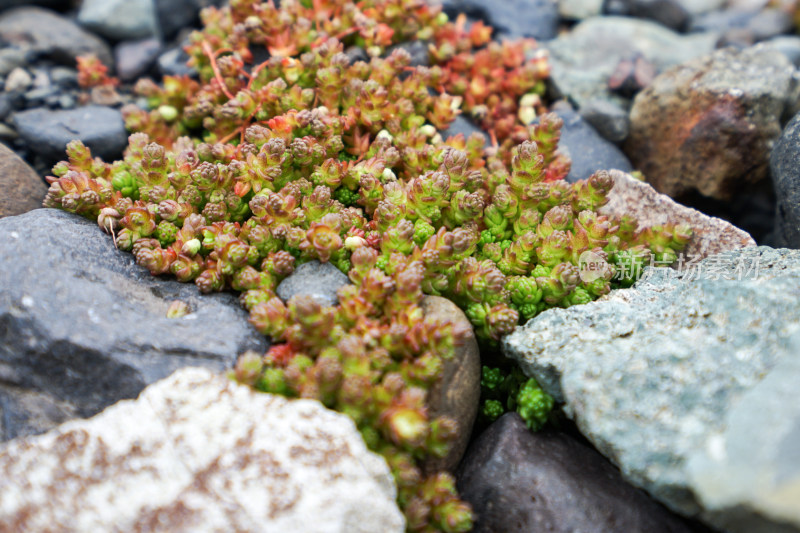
(232, 180)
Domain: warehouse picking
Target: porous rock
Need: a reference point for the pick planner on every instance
(687, 382)
(23, 189)
(50, 34)
(709, 124)
(518, 480)
(47, 132)
(458, 392)
(197, 452)
(638, 199)
(82, 326)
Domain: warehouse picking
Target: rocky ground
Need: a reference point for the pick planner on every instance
(679, 395)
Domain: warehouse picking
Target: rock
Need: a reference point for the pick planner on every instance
(458, 393)
(320, 280)
(745, 27)
(588, 151)
(706, 417)
(418, 50)
(82, 324)
(6, 105)
(786, 45)
(709, 124)
(786, 179)
(119, 20)
(609, 119)
(10, 58)
(464, 126)
(517, 480)
(512, 19)
(198, 452)
(51, 34)
(696, 7)
(583, 60)
(48, 132)
(579, 9)
(66, 78)
(173, 63)
(176, 15)
(23, 189)
(18, 80)
(134, 58)
(711, 236)
(61, 5)
(669, 13)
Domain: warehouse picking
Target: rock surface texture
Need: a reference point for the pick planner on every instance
(199, 453)
(315, 279)
(709, 124)
(688, 382)
(23, 189)
(710, 235)
(785, 166)
(82, 326)
(518, 480)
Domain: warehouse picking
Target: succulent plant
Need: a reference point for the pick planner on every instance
(233, 180)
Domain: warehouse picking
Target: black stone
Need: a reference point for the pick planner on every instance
(48, 132)
(82, 326)
(519, 481)
(785, 166)
(588, 151)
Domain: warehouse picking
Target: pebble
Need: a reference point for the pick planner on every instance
(134, 58)
(47, 132)
(23, 189)
(785, 166)
(315, 279)
(609, 119)
(48, 33)
(512, 19)
(518, 480)
(18, 80)
(669, 13)
(119, 19)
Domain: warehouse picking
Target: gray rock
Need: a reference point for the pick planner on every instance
(688, 382)
(579, 9)
(10, 58)
(638, 199)
(119, 20)
(786, 179)
(669, 13)
(588, 151)
(50, 34)
(83, 326)
(518, 481)
(48, 132)
(458, 392)
(786, 45)
(134, 58)
(173, 63)
(463, 126)
(319, 280)
(198, 452)
(23, 189)
(583, 60)
(18, 80)
(709, 124)
(511, 18)
(418, 50)
(610, 120)
(696, 7)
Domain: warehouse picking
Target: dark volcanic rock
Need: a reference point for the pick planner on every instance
(23, 189)
(82, 326)
(588, 151)
(48, 132)
(518, 481)
(610, 120)
(51, 34)
(511, 18)
(785, 166)
(319, 280)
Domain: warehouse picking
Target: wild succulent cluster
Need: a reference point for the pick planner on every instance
(233, 180)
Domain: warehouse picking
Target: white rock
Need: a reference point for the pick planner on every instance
(199, 453)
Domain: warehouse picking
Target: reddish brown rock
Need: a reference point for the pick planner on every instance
(710, 123)
(710, 235)
(23, 189)
(458, 393)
